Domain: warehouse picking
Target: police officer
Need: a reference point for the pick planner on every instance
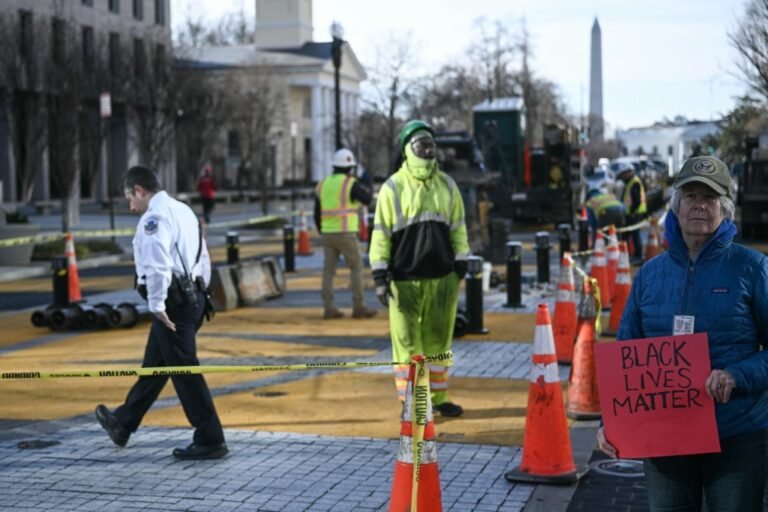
(419, 251)
(337, 201)
(633, 197)
(173, 267)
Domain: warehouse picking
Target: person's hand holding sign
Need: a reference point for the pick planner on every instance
(719, 385)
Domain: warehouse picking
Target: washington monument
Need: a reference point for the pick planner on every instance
(596, 85)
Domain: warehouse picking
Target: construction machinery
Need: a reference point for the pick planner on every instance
(503, 180)
(753, 189)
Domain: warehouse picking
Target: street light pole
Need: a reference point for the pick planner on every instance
(337, 32)
(105, 108)
(294, 132)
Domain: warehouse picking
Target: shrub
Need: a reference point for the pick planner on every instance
(83, 250)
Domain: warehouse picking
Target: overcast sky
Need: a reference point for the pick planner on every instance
(661, 58)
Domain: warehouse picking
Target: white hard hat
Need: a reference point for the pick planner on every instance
(343, 158)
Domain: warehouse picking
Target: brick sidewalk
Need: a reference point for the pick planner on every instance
(265, 472)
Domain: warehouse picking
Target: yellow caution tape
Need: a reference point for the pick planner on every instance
(419, 413)
(23, 240)
(633, 227)
(248, 222)
(104, 232)
(177, 370)
(196, 370)
(598, 305)
(35, 239)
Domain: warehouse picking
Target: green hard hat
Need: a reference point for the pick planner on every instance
(412, 127)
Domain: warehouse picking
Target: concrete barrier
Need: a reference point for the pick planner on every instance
(275, 271)
(224, 292)
(254, 283)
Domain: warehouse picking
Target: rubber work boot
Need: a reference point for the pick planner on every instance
(332, 313)
(448, 409)
(201, 452)
(108, 422)
(363, 312)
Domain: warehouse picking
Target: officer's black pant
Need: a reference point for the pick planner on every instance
(168, 348)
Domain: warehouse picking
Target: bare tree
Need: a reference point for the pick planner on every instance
(151, 101)
(67, 68)
(748, 119)
(447, 98)
(200, 113)
(493, 54)
(750, 38)
(231, 29)
(192, 35)
(21, 93)
(390, 78)
(253, 103)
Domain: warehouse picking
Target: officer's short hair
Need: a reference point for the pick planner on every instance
(145, 177)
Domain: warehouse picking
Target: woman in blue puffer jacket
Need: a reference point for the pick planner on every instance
(707, 283)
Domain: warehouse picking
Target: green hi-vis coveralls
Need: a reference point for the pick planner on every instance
(418, 235)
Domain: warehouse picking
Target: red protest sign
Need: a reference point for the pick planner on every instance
(652, 396)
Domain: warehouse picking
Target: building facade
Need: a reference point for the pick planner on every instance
(75, 50)
(672, 143)
(301, 134)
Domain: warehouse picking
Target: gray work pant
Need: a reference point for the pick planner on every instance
(344, 244)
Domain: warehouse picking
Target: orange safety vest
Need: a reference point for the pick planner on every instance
(626, 196)
(601, 202)
(338, 212)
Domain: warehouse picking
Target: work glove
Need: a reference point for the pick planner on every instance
(460, 267)
(383, 293)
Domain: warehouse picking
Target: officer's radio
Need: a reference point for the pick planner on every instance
(188, 289)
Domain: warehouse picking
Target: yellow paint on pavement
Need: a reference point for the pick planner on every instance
(299, 321)
(123, 348)
(365, 404)
(17, 328)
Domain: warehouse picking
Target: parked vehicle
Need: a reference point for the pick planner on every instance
(602, 179)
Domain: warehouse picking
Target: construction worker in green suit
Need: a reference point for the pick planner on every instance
(418, 255)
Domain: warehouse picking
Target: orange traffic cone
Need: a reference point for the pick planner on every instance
(417, 489)
(547, 453)
(363, 231)
(303, 241)
(74, 279)
(620, 290)
(582, 400)
(652, 247)
(564, 322)
(612, 251)
(599, 268)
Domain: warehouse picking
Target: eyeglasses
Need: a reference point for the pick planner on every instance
(423, 147)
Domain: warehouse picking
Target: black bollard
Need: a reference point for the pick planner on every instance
(583, 234)
(542, 257)
(474, 295)
(564, 235)
(514, 275)
(289, 248)
(233, 248)
(60, 281)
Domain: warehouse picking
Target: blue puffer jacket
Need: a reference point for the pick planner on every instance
(726, 290)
